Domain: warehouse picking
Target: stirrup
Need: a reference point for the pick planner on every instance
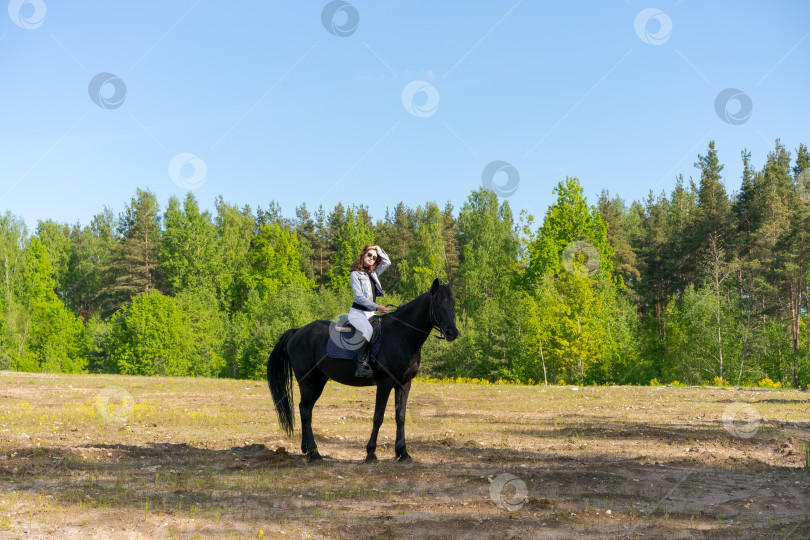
(363, 370)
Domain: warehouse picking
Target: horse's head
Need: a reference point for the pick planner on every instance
(444, 308)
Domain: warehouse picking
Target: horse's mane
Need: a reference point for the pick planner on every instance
(403, 305)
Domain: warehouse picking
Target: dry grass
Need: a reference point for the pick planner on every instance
(202, 458)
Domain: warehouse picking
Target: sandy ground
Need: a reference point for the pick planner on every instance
(129, 457)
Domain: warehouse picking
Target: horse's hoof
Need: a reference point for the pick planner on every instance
(314, 456)
(405, 458)
(371, 458)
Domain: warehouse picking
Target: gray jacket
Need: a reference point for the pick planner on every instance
(361, 284)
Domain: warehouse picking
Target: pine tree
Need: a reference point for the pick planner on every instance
(273, 214)
(615, 215)
(744, 211)
(653, 247)
(135, 265)
(682, 255)
(712, 221)
(305, 229)
(320, 246)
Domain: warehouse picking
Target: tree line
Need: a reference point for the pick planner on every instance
(697, 286)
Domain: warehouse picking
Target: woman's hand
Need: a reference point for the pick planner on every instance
(382, 308)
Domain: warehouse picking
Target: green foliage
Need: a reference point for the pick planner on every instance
(92, 343)
(574, 312)
(235, 229)
(253, 332)
(488, 247)
(622, 226)
(90, 256)
(51, 331)
(161, 335)
(353, 234)
(426, 260)
(276, 262)
(188, 249)
(147, 338)
(697, 285)
(205, 326)
(134, 265)
(567, 221)
(56, 240)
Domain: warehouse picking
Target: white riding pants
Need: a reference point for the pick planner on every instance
(359, 320)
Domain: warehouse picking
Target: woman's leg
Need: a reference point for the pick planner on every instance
(359, 320)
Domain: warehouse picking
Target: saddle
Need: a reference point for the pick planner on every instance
(344, 339)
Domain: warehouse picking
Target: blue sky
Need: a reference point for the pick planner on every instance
(275, 107)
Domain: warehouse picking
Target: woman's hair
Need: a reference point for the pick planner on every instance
(358, 262)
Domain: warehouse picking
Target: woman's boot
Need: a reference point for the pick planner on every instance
(363, 369)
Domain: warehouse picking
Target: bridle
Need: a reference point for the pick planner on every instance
(434, 320)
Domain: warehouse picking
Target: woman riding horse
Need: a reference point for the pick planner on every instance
(300, 354)
(366, 287)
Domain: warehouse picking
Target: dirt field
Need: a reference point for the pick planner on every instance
(130, 457)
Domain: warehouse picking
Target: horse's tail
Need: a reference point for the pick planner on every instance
(280, 380)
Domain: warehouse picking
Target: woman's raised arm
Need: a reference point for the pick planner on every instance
(384, 263)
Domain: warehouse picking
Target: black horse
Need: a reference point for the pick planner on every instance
(303, 351)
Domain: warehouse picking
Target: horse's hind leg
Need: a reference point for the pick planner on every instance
(401, 401)
(311, 387)
(383, 391)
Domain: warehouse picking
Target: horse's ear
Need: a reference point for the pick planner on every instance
(435, 285)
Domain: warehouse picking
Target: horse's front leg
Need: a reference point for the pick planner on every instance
(383, 391)
(401, 401)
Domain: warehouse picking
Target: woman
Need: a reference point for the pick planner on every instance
(366, 287)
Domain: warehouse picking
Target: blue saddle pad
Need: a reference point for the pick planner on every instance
(344, 344)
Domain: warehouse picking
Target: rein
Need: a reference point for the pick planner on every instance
(433, 320)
